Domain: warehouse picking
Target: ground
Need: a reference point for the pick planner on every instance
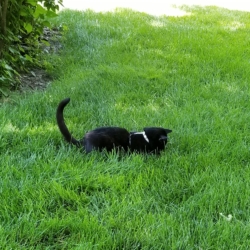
(34, 80)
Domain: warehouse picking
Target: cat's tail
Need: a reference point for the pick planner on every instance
(61, 123)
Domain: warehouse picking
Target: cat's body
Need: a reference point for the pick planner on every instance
(151, 140)
(108, 138)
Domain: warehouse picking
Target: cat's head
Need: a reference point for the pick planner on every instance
(151, 140)
(157, 133)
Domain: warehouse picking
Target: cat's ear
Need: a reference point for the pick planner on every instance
(168, 130)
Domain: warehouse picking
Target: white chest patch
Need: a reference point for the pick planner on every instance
(144, 135)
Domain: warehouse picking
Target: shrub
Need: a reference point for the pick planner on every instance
(21, 26)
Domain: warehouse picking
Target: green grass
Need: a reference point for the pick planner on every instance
(129, 69)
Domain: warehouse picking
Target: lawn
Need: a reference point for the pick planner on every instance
(129, 69)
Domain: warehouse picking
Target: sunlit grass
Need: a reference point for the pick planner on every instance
(124, 68)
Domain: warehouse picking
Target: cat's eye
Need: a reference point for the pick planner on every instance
(163, 138)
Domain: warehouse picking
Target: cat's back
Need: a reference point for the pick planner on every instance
(110, 130)
(107, 138)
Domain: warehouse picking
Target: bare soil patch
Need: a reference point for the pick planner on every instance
(38, 78)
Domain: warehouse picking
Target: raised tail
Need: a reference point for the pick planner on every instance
(61, 123)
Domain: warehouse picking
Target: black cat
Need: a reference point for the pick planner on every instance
(151, 140)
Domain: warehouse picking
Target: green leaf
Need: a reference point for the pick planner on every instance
(65, 28)
(28, 27)
(45, 42)
(32, 2)
(13, 51)
(20, 48)
(23, 12)
(51, 14)
(8, 73)
(28, 58)
(26, 11)
(39, 11)
(6, 66)
(46, 24)
(3, 91)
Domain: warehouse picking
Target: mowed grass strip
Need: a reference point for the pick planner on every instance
(130, 69)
